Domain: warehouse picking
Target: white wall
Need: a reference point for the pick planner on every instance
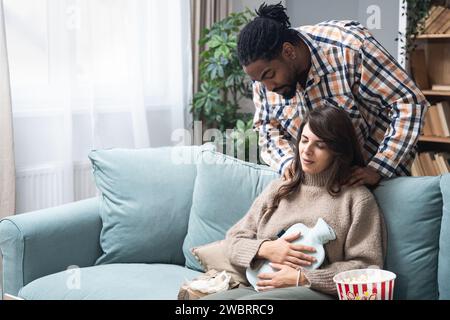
(240, 5)
(384, 26)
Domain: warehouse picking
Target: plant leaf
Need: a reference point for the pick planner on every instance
(240, 125)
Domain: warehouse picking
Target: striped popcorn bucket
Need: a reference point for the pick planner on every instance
(365, 284)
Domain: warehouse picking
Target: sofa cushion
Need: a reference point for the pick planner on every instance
(146, 198)
(224, 190)
(444, 242)
(111, 282)
(412, 208)
(213, 256)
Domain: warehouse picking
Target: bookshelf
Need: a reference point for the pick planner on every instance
(433, 36)
(429, 64)
(436, 93)
(434, 139)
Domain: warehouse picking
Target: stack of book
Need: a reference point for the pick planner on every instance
(437, 120)
(430, 164)
(438, 21)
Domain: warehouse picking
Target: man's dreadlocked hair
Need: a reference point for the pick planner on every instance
(263, 37)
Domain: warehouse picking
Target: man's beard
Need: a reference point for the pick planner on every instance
(290, 93)
(291, 90)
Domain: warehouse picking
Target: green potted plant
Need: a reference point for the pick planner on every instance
(223, 82)
(416, 13)
(245, 142)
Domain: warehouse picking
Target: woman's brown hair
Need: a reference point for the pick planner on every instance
(332, 125)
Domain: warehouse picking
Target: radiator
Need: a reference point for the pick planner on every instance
(84, 185)
(49, 186)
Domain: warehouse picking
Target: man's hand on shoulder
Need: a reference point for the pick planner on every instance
(363, 176)
(289, 172)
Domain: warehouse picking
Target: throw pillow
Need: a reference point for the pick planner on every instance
(146, 195)
(412, 209)
(213, 256)
(224, 190)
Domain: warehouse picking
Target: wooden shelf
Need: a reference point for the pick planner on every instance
(433, 36)
(436, 93)
(434, 139)
(430, 64)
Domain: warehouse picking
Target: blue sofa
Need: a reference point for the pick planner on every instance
(133, 241)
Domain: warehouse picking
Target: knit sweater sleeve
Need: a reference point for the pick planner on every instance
(241, 239)
(364, 246)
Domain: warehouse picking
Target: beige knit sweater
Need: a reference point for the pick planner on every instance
(353, 214)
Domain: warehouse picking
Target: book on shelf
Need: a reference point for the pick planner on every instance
(431, 164)
(444, 117)
(425, 164)
(433, 16)
(426, 131)
(439, 22)
(421, 167)
(445, 28)
(415, 169)
(435, 122)
(437, 165)
(442, 162)
(440, 87)
(422, 161)
(437, 18)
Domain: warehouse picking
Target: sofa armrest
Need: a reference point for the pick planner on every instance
(47, 241)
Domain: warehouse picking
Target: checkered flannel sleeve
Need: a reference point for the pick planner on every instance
(275, 145)
(385, 84)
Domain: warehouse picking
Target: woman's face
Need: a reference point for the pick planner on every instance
(314, 154)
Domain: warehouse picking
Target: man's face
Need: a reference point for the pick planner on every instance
(277, 75)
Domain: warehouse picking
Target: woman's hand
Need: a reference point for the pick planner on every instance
(282, 251)
(285, 277)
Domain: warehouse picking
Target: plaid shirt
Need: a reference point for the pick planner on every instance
(350, 69)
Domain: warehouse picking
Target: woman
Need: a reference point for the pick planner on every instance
(327, 151)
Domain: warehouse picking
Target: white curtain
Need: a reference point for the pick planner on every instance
(7, 171)
(204, 14)
(91, 74)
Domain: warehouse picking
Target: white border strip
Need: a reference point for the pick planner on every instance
(402, 21)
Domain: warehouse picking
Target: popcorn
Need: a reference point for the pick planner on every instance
(365, 284)
(363, 278)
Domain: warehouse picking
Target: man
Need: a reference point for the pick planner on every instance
(332, 63)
